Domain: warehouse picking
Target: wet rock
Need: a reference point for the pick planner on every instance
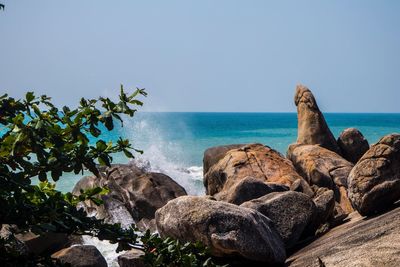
(80, 256)
(374, 182)
(134, 195)
(324, 168)
(228, 230)
(247, 189)
(255, 160)
(312, 127)
(352, 144)
(290, 211)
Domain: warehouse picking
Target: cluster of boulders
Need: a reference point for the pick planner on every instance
(262, 206)
(302, 209)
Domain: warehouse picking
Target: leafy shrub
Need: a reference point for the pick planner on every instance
(39, 140)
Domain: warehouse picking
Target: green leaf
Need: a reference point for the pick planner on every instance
(128, 154)
(56, 174)
(104, 160)
(29, 96)
(101, 145)
(109, 123)
(42, 176)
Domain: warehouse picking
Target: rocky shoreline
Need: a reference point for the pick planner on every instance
(327, 202)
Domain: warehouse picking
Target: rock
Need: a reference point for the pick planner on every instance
(324, 168)
(132, 258)
(247, 189)
(228, 230)
(213, 154)
(290, 211)
(358, 242)
(80, 256)
(352, 144)
(147, 224)
(134, 195)
(45, 243)
(255, 160)
(300, 185)
(324, 201)
(374, 182)
(312, 127)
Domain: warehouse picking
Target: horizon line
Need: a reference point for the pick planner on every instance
(271, 112)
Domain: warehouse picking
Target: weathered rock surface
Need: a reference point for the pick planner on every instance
(46, 243)
(374, 182)
(324, 201)
(255, 160)
(213, 154)
(229, 230)
(324, 168)
(290, 211)
(312, 127)
(352, 144)
(247, 189)
(131, 258)
(300, 185)
(134, 195)
(80, 256)
(358, 242)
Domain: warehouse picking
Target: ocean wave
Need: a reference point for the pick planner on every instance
(159, 156)
(164, 156)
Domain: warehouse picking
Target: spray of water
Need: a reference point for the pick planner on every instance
(160, 155)
(164, 156)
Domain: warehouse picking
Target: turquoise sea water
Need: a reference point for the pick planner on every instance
(174, 143)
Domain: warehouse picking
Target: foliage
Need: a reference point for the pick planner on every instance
(169, 252)
(39, 140)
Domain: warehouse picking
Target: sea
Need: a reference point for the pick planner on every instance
(174, 142)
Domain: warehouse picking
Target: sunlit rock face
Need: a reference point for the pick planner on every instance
(229, 230)
(312, 127)
(374, 182)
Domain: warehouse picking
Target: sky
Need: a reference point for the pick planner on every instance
(208, 55)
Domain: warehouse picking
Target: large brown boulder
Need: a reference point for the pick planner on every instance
(213, 154)
(352, 144)
(290, 211)
(358, 242)
(254, 160)
(247, 189)
(134, 195)
(324, 168)
(374, 182)
(80, 256)
(312, 127)
(228, 230)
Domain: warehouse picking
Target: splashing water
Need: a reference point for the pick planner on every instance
(165, 156)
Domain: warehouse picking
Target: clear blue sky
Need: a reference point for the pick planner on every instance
(208, 55)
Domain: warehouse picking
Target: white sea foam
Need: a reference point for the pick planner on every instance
(107, 249)
(164, 156)
(159, 155)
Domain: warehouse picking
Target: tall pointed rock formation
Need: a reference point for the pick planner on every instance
(312, 127)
